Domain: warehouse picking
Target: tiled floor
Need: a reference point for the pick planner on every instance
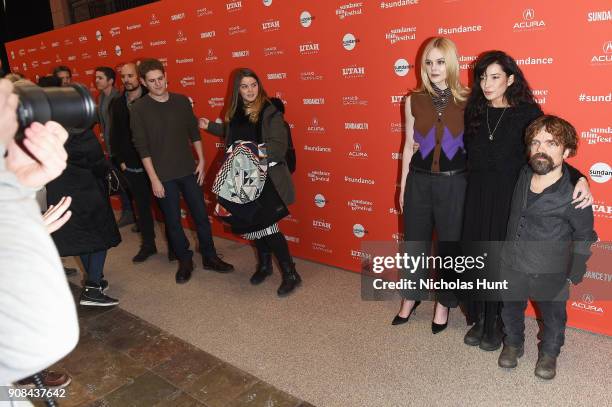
(121, 360)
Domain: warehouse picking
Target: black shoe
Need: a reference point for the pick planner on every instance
(70, 271)
(171, 256)
(216, 264)
(492, 340)
(401, 320)
(291, 279)
(509, 356)
(183, 274)
(127, 218)
(474, 335)
(144, 253)
(264, 268)
(103, 285)
(93, 296)
(546, 367)
(437, 328)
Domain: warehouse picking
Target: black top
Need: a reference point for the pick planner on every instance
(241, 128)
(121, 142)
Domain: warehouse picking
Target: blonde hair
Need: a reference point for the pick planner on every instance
(451, 60)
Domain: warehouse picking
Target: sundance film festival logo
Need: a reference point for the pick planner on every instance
(310, 76)
(353, 101)
(270, 25)
(597, 135)
(204, 11)
(210, 56)
(465, 61)
(115, 31)
(359, 231)
(320, 201)
(210, 81)
(180, 36)
(277, 76)
(313, 101)
(540, 96)
(273, 51)
(133, 27)
(349, 10)
(315, 126)
(321, 247)
(461, 29)
(358, 180)
(605, 58)
(215, 102)
(309, 48)
(177, 17)
(353, 72)
(208, 34)
(603, 15)
(360, 205)
(349, 42)
(530, 22)
(317, 149)
(401, 67)
(137, 46)
(397, 3)
(401, 34)
(357, 152)
(356, 126)
(306, 19)
(233, 6)
(600, 172)
(188, 81)
(235, 30)
(184, 61)
(321, 225)
(157, 43)
(240, 54)
(319, 176)
(154, 20)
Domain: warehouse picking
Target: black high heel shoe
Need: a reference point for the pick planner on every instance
(437, 328)
(401, 320)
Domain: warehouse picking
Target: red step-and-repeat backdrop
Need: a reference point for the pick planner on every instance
(342, 69)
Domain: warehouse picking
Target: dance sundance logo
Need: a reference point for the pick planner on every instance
(596, 135)
(359, 231)
(600, 172)
(306, 19)
(397, 3)
(321, 247)
(320, 201)
(360, 205)
(349, 42)
(401, 67)
(319, 176)
(401, 34)
(349, 10)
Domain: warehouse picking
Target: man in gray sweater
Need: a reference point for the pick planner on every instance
(163, 125)
(547, 244)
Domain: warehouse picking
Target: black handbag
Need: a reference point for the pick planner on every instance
(290, 157)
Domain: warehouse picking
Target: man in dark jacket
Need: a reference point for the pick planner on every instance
(547, 244)
(128, 159)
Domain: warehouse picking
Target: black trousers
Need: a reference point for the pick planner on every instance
(549, 292)
(434, 201)
(141, 191)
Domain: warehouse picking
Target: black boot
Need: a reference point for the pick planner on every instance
(291, 279)
(509, 356)
(474, 335)
(264, 267)
(546, 367)
(183, 274)
(492, 339)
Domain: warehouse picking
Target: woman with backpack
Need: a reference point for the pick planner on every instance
(256, 135)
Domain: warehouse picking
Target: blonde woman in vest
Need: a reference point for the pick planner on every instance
(434, 175)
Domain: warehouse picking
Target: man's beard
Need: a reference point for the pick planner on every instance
(541, 163)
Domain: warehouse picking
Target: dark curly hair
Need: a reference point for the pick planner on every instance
(518, 93)
(562, 131)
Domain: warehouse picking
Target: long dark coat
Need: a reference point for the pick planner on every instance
(92, 227)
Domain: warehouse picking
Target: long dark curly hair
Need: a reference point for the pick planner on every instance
(518, 93)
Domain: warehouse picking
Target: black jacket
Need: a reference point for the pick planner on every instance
(121, 142)
(550, 235)
(92, 226)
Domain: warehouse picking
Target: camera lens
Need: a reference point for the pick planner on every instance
(71, 106)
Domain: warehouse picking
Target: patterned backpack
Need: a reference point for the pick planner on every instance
(243, 174)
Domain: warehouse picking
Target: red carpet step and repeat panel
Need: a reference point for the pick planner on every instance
(342, 69)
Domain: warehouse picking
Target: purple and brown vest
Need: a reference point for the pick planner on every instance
(440, 135)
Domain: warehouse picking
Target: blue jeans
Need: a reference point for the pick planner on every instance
(94, 266)
(171, 207)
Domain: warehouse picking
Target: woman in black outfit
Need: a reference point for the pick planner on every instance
(91, 230)
(500, 108)
(251, 117)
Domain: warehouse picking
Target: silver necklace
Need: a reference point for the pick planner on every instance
(491, 133)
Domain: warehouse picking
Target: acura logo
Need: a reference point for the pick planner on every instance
(607, 47)
(357, 147)
(587, 298)
(528, 14)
